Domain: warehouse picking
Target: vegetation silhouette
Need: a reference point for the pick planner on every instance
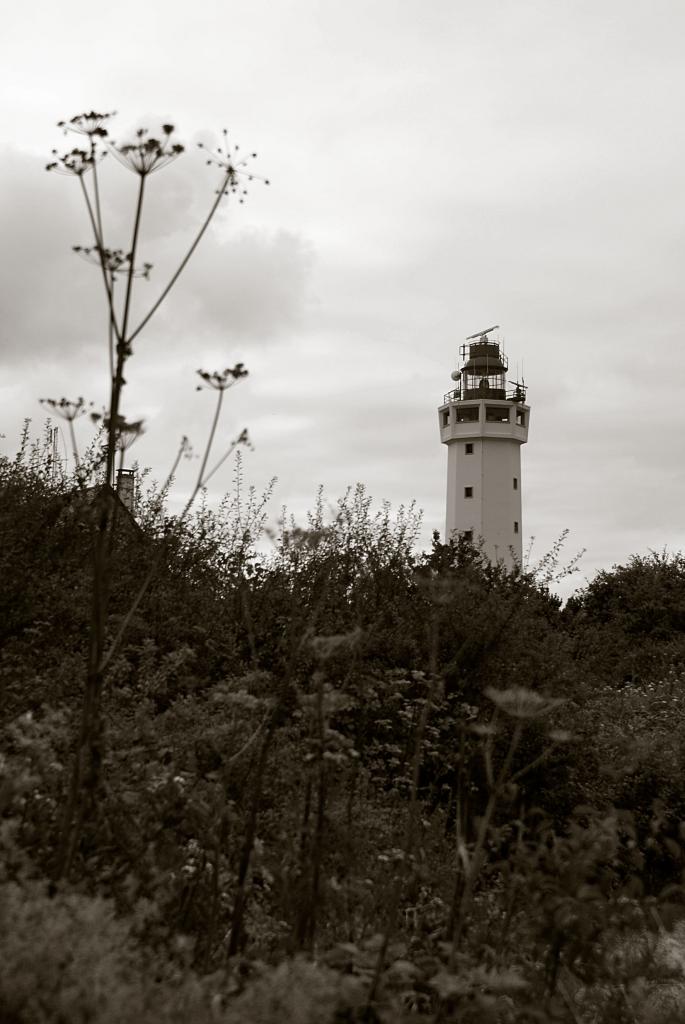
(328, 779)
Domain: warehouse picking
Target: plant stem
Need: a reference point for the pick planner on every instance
(248, 843)
(109, 277)
(477, 857)
(132, 261)
(99, 244)
(85, 778)
(147, 579)
(320, 808)
(303, 908)
(217, 412)
(462, 853)
(74, 446)
(410, 828)
(184, 261)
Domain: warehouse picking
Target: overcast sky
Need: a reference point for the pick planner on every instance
(436, 166)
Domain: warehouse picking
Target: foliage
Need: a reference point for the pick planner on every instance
(337, 780)
(323, 774)
(631, 620)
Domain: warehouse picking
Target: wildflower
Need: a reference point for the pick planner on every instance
(77, 162)
(91, 124)
(67, 409)
(234, 166)
(147, 154)
(115, 261)
(221, 381)
(126, 431)
(520, 702)
(128, 434)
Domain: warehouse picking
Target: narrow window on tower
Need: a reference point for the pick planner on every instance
(468, 492)
(516, 527)
(446, 418)
(520, 418)
(516, 483)
(468, 536)
(468, 448)
(496, 414)
(467, 414)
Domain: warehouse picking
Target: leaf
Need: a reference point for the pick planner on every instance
(673, 848)
(483, 729)
(448, 985)
(402, 969)
(478, 980)
(560, 736)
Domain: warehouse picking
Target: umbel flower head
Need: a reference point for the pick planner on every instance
(127, 431)
(222, 380)
(147, 154)
(77, 162)
(91, 124)
(520, 702)
(67, 408)
(115, 261)
(234, 165)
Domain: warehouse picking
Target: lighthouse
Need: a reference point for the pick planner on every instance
(484, 422)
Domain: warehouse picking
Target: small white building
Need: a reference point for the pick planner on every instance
(484, 422)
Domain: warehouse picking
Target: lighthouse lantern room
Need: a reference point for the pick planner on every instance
(484, 422)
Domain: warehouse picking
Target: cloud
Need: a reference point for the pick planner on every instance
(436, 168)
(248, 282)
(252, 285)
(42, 294)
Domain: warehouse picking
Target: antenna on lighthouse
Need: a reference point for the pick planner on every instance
(481, 334)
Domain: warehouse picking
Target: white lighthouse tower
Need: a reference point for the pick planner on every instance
(484, 422)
